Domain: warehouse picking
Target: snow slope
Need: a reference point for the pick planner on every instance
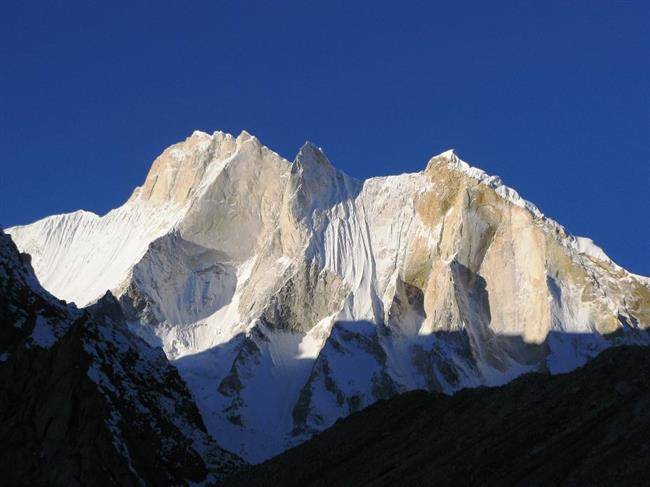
(289, 294)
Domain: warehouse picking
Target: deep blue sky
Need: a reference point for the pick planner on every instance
(552, 96)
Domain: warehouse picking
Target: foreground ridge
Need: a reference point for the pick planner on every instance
(289, 295)
(83, 401)
(587, 427)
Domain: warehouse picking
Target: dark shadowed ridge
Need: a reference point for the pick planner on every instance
(85, 402)
(588, 427)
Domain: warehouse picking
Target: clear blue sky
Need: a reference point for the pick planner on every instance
(552, 96)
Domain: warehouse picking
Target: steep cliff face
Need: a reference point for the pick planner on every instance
(289, 294)
(83, 401)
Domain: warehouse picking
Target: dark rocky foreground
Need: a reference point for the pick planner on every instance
(587, 427)
(85, 402)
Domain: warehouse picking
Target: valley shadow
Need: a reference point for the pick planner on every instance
(443, 361)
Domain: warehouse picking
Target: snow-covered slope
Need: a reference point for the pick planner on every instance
(289, 294)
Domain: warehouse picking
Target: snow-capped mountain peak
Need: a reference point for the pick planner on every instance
(290, 294)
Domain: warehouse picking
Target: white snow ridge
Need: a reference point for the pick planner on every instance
(289, 294)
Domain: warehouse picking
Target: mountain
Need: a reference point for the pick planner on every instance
(83, 401)
(289, 295)
(587, 427)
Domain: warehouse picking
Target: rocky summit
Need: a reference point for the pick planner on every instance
(289, 295)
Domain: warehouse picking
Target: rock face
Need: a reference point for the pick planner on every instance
(588, 427)
(289, 295)
(83, 401)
